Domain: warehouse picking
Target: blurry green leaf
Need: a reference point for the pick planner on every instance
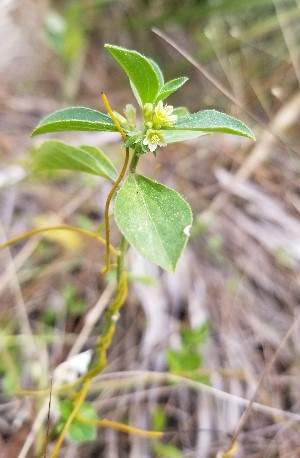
(154, 219)
(213, 121)
(75, 118)
(55, 29)
(75, 305)
(158, 419)
(9, 383)
(166, 450)
(79, 431)
(195, 336)
(53, 154)
(171, 87)
(143, 279)
(65, 408)
(139, 70)
(183, 359)
(214, 244)
(49, 316)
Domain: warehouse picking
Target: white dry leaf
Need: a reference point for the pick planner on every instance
(70, 370)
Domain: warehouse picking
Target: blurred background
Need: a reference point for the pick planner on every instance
(200, 338)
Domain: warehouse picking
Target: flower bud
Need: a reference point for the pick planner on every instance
(130, 115)
(148, 112)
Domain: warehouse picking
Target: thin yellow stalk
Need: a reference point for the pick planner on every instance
(57, 228)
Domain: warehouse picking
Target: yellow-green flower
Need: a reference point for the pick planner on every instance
(163, 115)
(153, 139)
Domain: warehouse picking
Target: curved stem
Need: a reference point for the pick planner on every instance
(120, 263)
(57, 228)
(121, 427)
(106, 211)
(111, 114)
(113, 189)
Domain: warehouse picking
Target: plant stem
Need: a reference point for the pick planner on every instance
(57, 228)
(120, 261)
(106, 212)
(134, 162)
(80, 400)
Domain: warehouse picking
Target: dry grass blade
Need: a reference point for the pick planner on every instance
(260, 382)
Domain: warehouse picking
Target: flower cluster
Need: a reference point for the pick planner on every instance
(154, 118)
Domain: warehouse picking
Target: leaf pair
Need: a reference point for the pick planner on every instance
(188, 126)
(148, 85)
(145, 75)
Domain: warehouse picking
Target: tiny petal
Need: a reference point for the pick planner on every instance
(163, 114)
(153, 139)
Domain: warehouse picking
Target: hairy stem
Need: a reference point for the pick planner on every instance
(134, 162)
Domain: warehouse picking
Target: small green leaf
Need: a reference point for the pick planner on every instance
(79, 431)
(65, 408)
(159, 419)
(171, 87)
(195, 336)
(154, 219)
(158, 72)
(174, 136)
(75, 118)
(183, 359)
(139, 70)
(166, 450)
(213, 121)
(55, 155)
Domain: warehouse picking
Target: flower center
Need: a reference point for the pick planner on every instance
(155, 138)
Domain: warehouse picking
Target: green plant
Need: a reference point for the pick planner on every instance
(151, 217)
(188, 358)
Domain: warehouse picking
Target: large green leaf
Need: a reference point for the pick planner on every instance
(174, 136)
(139, 70)
(171, 87)
(75, 118)
(213, 121)
(55, 155)
(154, 219)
